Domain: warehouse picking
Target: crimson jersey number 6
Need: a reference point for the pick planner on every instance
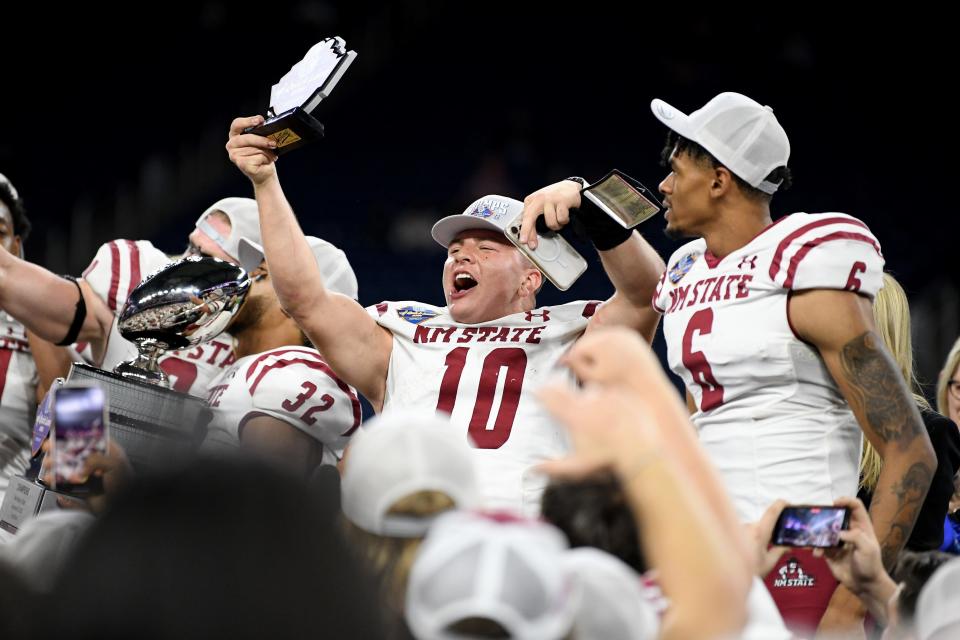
(696, 363)
(515, 361)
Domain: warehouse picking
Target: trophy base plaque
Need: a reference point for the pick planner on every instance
(154, 425)
(291, 130)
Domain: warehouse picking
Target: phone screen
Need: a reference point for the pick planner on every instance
(811, 526)
(79, 428)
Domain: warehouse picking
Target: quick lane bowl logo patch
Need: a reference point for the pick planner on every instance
(416, 315)
(495, 209)
(682, 266)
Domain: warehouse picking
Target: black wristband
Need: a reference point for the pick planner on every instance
(603, 231)
(79, 315)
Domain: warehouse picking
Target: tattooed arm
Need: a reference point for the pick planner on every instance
(840, 324)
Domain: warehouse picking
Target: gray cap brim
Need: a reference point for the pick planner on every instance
(446, 229)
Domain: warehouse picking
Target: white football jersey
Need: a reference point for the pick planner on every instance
(116, 270)
(18, 399)
(292, 384)
(483, 376)
(770, 414)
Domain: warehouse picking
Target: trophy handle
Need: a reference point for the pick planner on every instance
(144, 367)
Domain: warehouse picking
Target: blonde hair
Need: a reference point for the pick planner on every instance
(891, 313)
(949, 368)
(390, 559)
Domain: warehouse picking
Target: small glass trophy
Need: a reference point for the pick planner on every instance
(296, 97)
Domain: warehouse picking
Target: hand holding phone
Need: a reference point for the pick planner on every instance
(80, 428)
(556, 259)
(811, 526)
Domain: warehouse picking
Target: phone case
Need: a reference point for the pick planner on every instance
(556, 259)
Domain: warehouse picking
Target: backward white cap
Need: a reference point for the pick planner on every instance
(508, 571)
(489, 212)
(335, 269)
(937, 614)
(13, 190)
(612, 603)
(244, 223)
(400, 453)
(743, 135)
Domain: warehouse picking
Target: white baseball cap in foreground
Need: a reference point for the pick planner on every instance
(398, 454)
(506, 570)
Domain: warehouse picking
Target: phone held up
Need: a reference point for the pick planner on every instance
(80, 428)
(811, 526)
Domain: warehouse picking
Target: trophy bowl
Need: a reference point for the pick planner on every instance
(181, 305)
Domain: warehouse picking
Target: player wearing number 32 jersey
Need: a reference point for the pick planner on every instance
(280, 400)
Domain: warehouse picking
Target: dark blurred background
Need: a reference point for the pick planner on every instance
(114, 122)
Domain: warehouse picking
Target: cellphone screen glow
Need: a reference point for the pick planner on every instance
(79, 428)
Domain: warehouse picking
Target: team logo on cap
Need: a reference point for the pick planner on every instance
(665, 112)
(416, 315)
(682, 266)
(495, 209)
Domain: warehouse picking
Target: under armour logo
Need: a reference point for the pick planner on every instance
(545, 314)
(751, 261)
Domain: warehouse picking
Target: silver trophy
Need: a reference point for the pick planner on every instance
(182, 305)
(179, 306)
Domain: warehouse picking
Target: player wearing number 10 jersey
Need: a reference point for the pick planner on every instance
(478, 374)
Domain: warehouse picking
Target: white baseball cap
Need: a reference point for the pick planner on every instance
(612, 603)
(937, 614)
(740, 133)
(400, 453)
(335, 269)
(13, 190)
(489, 212)
(244, 223)
(506, 570)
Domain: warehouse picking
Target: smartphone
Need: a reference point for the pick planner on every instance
(811, 526)
(556, 259)
(623, 198)
(80, 428)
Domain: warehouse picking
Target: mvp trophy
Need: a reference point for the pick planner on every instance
(184, 304)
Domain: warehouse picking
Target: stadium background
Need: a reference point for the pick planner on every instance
(114, 122)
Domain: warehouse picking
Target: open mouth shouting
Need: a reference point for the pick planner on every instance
(463, 282)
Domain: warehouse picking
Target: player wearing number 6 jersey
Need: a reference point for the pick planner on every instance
(462, 365)
(770, 326)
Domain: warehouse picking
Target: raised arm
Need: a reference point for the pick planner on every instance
(352, 342)
(706, 582)
(46, 303)
(633, 266)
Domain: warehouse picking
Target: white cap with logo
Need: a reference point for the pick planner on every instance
(740, 133)
(244, 223)
(489, 212)
(335, 269)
